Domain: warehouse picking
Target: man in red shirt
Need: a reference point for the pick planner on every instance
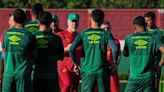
(68, 79)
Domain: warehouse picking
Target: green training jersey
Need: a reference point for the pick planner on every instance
(94, 41)
(32, 26)
(18, 45)
(141, 48)
(157, 34)
(50, 49)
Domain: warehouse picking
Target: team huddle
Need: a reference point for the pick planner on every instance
(41, 57)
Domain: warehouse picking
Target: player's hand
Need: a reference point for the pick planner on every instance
(79, 48)
(67, 48)
(76, 69)
(113, 68)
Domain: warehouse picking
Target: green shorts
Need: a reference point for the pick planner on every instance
(141, 85)
(90, 79)
(19, 83)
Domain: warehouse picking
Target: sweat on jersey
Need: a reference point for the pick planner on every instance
(18, 45)
(141, 47)
(94, 42)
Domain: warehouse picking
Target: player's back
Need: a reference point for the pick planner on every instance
(95, 48)
(141, 47)
(18, 44)
(48, 50)
(32, 26)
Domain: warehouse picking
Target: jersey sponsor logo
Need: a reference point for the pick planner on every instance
(32, 29)
(94, 39)
(31, 25)
(141, 44)
(42, 43)
(93, 32)
(16, 33)
(142, 37)
(14, 40)
(43, 36)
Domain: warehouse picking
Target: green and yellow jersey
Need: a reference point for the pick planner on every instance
(50, 49)
(18, 45)
(157, 34)
(141, 47)
(32, 26)
(94, 41)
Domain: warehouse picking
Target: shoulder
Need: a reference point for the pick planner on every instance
(129, 36)
(83, 32)
(62, 32)
(31, 24)
(57, 37)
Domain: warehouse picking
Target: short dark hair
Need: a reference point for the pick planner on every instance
(139, 20)
(45, 18)
(97, 15)
(19, 16)
(150, 14)
(36, 9)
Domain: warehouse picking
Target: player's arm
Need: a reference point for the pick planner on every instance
(162, 57)
(160, 45)
(126, 49)
(113, 46)
(73, 47)
(3, 46)
(119, 51)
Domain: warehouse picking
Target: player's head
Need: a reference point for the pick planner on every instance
(106, 25)
(97, 15)
(73, 21)
(55, 22)
(139, 23)
(19, 16)
(150, 18)
(11, 21)
(36, 9)
(45, 18)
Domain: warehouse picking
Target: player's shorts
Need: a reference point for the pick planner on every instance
(100, 78)
(19, 83)
(141, 85)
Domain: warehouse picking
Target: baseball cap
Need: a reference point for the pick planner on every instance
(73, 16)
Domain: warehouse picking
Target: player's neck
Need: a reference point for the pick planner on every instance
(43, 28)
(141, 30)
(94, 25)
(33, 18)
(18, 25)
